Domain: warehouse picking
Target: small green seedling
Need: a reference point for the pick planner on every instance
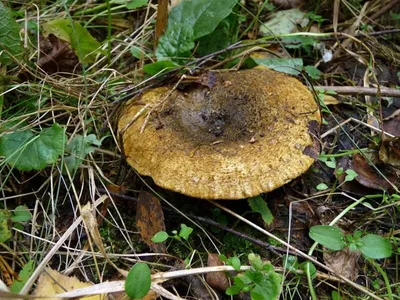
(350, 174)
(322, 187)
(328, 160)
(261, 280)
(371, 246)
(162, 236)
(182, 237)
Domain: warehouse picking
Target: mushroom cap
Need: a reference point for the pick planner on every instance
(242, 135)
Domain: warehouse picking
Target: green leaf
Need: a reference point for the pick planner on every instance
(243, 278)
(309, 267)
(233, 290)
(375, 246)
(336, 295)
(284, 21)
(208, 14)
(224, 35)
(84, 45)
(223, 257)
(138, 281)
(238, 281)
(234, 262)
(21, 214)
(136, 52)
(23, 277)
(139, 53)
(185, 231)
(258, 204)
(290, 263)
(357, 234)
(268, 288)
(297, 41)
(322, 186)
(10, 41)
(159, 67)
(255, 261)
(254, 275)
(188, 21)
(350, 175)
(78, 147)
(313, 72)
(26, 151)
(331, 163)
(5, 225)
(178, 47)
(133, 4)
(160, 237)
(290, 66)
(328, 236)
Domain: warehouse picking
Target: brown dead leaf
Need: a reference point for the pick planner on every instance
(150, 220)
(392, 125)
(57, 56)
(353, 186)
(343, 262)
(217, 280)
(52, 283)
(370, 177)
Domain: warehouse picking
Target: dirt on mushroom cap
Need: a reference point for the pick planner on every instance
(243, 136)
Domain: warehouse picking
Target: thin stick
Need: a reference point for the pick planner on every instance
(161, 23)
(359, 90)
(356, 121)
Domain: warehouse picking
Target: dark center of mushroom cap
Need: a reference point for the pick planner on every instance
(205, 115)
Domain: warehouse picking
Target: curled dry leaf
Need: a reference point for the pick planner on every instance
(343, 262)
(217, 280)
(150, 220)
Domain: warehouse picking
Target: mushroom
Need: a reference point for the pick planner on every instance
(244, 134)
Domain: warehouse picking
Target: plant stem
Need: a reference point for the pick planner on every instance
(385, 278)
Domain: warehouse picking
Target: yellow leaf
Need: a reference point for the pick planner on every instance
(51, 283)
